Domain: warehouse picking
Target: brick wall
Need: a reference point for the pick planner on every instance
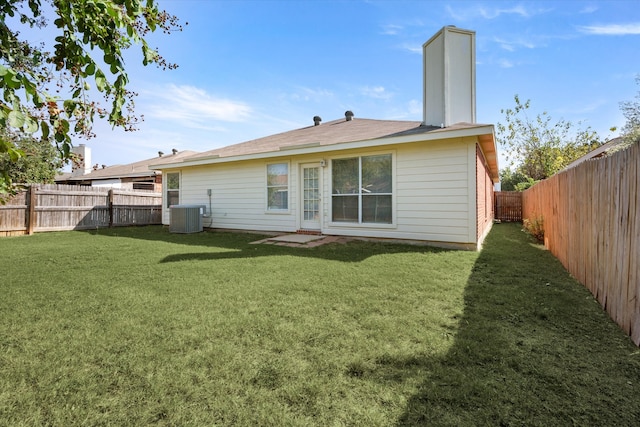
(484, 195)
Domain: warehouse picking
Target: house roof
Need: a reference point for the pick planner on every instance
(342, 134)
(131, 170)
(603, 150)
(333, 132)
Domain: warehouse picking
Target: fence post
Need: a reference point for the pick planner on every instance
(31, 209)
(111, 208)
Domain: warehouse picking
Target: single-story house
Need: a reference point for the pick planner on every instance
(429, 181)
(130, 176)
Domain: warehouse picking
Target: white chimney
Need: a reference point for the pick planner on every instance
(82, 165)
(449, 80)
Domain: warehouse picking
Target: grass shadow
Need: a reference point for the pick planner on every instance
(532, 347)
(221, 245)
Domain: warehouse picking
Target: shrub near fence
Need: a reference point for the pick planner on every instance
(48, 207)
(591, 225)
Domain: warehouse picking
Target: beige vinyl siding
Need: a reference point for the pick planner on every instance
(431, 194)
(433, 191)
(238, 198)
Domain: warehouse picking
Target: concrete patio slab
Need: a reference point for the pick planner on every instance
(296, 238)
(302, 240)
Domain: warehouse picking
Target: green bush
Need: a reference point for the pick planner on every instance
(535, 227)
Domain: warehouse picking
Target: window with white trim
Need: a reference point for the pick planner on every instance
(362, 190)
(173, 189)
(278, 186)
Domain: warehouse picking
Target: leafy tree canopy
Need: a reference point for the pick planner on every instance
(537, 148)
(50, 94)
(631, 111)
(39, 164)
(514, 180)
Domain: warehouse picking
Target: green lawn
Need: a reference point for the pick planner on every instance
(137, 326)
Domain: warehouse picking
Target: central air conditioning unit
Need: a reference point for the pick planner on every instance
(186, 218)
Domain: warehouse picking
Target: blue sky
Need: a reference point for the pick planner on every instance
(249, 69)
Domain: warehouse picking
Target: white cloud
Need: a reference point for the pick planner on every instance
(391, 29)
(376, 92)
(612, 29)
(309, 94)
(476, 12)
(412, 48)
(589, 107)
(494, 13)
(415, 107)
(410, 110)
(505, 63)
(195, 108)
(512, 45)
(589, 9)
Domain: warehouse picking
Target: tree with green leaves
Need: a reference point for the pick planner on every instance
(514, 180)
(537, 148)
(631, 112)
(39, 164)
(49, 91)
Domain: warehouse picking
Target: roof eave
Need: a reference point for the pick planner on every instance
(489, 149)
(88, 176)
(438, 134)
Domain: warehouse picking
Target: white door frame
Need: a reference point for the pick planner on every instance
(311, 204)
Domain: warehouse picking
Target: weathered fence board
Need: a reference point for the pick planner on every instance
(13, 215)
(508, 206)
(591, 225)
(48, 207)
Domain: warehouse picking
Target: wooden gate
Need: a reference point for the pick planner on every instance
(508, 206)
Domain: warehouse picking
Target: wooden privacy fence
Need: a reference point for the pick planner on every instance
(591, 225)
(508, 206)
(49, 207)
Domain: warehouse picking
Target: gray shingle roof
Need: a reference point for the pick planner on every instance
(341, 132)
(135, 169)
(329, 133)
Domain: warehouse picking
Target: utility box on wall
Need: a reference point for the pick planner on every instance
(186, 218)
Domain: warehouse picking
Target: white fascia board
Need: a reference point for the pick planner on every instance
(88, 176)
(435, 135)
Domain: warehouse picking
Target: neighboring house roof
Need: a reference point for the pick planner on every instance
(354, 133)
(63, 176)
(601, 151)
(131, 170)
